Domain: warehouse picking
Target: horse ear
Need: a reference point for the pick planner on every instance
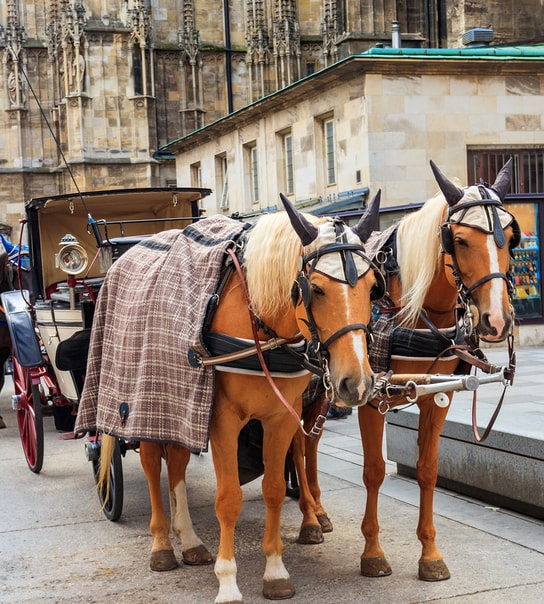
(303, 227)
(451, 192)
(369, 221)
(502, 183)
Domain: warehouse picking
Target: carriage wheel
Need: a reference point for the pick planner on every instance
(29, 415)
(113, 507)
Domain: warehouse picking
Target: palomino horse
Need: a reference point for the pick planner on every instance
(303, 275)
(454, 251)
(453, 254)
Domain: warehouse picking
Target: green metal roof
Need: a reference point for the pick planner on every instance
(484, 52)
(498, 53)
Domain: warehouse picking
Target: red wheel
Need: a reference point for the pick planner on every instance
(29, 415)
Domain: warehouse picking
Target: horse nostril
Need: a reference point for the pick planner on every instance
(346, 384)
(486, 325)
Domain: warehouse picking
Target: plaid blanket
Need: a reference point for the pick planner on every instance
(149, 313)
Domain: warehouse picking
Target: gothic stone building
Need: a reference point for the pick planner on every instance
(91, 89)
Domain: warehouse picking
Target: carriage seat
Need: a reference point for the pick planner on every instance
(21, 328)
(119, 245)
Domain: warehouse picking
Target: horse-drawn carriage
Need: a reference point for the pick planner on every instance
(72, 241)
(290, 281)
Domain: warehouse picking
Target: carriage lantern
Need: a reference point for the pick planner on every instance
(72, 258)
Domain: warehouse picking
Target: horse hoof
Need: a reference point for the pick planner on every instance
(433, 570)
(278, 589)
(375, 567)
(197, 556)
(162, 560)
(310, 535)
(325, 522)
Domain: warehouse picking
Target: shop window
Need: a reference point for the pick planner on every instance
(526, 279)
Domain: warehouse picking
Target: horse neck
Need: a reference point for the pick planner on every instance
(441, 299)
(232, 316)
(439, 304)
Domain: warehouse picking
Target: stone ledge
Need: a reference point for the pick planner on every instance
(506, 470)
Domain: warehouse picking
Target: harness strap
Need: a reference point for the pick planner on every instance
(258, 347)
(468, 290)
(270, 344)
(325, 345)
(510, 377)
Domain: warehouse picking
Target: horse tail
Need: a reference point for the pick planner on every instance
(107, 447)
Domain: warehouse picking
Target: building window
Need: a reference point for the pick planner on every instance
(196, 175)
(288, 159)
(253, 174)
(330, 159)
(222, 180)
(528, 173)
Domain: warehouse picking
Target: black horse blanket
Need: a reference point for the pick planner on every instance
(149, 313)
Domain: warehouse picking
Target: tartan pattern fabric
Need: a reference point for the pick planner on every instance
(382, 325)
(149, 313)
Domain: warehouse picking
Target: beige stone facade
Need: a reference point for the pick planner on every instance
(391, 112)
(113, 81)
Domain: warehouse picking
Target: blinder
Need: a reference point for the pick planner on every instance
(380, 288)
(302, 289)
(446, 236)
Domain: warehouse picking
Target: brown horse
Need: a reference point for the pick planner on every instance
(329, 304)
(467, 264)
(453, 253)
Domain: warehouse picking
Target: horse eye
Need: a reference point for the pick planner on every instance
(317, 290)
(461, 243)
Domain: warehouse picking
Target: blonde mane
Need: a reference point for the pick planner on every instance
(419, 255)
(271, 263)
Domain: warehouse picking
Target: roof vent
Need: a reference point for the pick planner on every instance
(478, 36)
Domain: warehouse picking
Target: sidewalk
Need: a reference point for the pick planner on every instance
(57, 547)
(522, 413)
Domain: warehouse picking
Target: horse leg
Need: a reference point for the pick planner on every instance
(371, 426)
(193, 550)
(162, 552)
(431, 420)
(228, 499)
(310, 529)
(305, 450)
(277, 584)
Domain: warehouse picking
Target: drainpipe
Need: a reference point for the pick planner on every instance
(228, 56)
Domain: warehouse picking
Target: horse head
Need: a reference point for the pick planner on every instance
(477, 236)
(332, 296)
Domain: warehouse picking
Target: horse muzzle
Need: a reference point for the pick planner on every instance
(493, 329)
(354, 392)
